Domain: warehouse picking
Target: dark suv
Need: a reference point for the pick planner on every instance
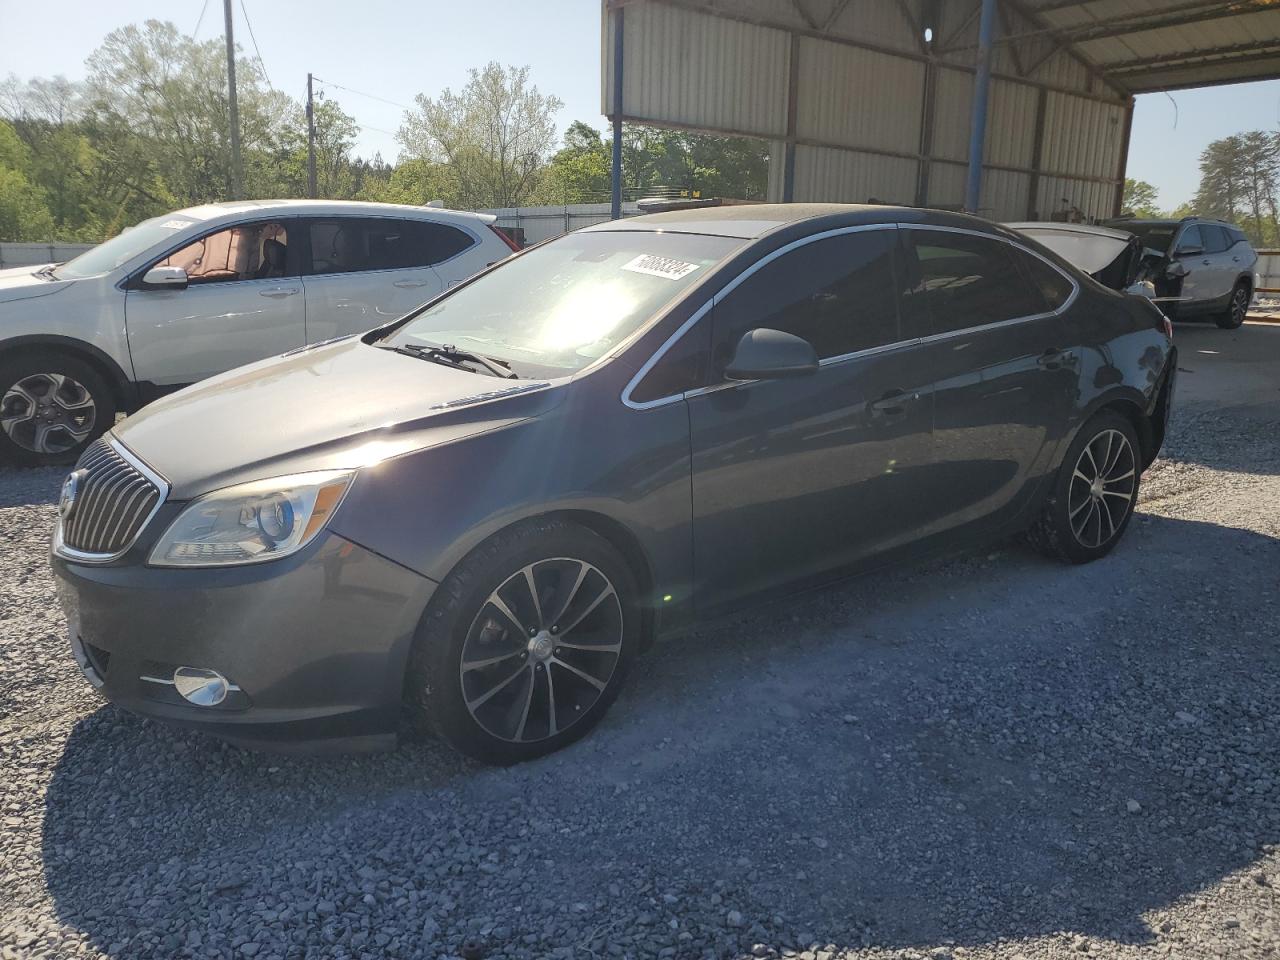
(1201, 268)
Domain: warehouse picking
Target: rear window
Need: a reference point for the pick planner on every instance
(1216, 239)
(563, 305)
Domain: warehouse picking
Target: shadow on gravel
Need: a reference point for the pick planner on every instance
(21, 488)
(989, 748)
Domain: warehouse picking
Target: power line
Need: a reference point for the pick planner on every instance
(361, 93)
(203, 7)
(248, 23)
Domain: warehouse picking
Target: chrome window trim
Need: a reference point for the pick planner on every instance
(162, 488)
(870, 351)
(716, 298)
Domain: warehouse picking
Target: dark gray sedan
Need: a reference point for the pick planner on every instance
(490, 507)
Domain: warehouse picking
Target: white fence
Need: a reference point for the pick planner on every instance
(1269, 271)
(542, 223)
(30, 254)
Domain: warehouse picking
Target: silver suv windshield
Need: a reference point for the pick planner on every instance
(119, 250)
(561, 306)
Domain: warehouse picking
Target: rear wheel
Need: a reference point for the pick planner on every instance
(52, 406)
(527, 642)
(1094, 493)
(1237, 308)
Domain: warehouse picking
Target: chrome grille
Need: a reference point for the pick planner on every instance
(114, 500)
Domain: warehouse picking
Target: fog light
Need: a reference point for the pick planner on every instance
(204, 688)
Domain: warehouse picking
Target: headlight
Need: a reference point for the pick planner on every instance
(251, 522)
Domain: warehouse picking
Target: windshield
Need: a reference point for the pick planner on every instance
(105, 257)
(561, 306)
(1156, 236)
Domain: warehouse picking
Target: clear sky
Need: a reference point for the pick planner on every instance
(397, 48)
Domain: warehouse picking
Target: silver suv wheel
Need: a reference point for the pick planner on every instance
(47, 413)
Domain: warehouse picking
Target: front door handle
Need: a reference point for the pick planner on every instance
(1206, 261)
(409, 284)
(893, 403)
(277, 292)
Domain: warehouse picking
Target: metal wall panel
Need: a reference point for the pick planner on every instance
(952, 114)
(1011, 123)
(697, 70)
(1004, 194)
(1082, 136)
(858, 98)
(1094, 199)
(847, 176)
(946, 185)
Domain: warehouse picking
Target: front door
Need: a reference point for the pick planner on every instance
(1005, 367)
(363, 272)
(243, 303)
(794, 478)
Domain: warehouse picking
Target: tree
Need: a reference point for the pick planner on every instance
(24, 214)
(1140, 198)
(171, 94)
(1240, 180)
(493, 136)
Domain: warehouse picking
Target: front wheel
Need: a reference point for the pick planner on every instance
(1094, 493)
(527, 642)
(52, 406)
(1237, 308)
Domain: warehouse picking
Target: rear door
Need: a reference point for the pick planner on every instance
(792, 478)
(362, 272)
(1222, 271)
(243, 303)
(1004, 365)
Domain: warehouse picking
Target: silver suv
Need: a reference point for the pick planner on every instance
(1201, 267)
(193, 293)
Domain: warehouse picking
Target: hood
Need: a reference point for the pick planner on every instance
(21, 283)
(333, 406)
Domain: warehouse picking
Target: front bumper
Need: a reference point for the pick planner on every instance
(316, 643)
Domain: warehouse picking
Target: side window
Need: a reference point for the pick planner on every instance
(250, 251)
(838, 293)
(351, 244)
(1215, 238)
(968, 281)
(1190, 239)
(1053, 286)
(681, 368)
(432, 243)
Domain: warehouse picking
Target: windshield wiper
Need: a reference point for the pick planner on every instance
(46, 272)
(451, 356)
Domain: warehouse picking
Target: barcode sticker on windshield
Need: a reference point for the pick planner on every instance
(660, 266)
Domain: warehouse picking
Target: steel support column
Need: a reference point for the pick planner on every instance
(981, 94)
(1123, 166)
(789, 150)
(615, 200)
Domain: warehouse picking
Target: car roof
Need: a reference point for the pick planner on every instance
(750, 221)
(212, 211)
(1051, 226)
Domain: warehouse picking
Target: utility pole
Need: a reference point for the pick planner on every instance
(311, 142)
(234, 108)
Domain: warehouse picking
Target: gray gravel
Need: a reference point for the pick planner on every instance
(993, 756)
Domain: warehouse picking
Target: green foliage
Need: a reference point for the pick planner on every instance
(1140, 198)
(1240, 182)
(493, 136)
(148, 132)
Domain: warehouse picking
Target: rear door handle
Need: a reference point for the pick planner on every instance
(893, 403)
(409, 284)
(1053, 358)
(276, 293)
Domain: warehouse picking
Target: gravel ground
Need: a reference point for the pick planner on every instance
(993, 756)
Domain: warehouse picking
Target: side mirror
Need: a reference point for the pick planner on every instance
(764, 354)
(1176, 270)
(165, 278)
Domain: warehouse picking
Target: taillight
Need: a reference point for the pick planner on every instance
(505, 237)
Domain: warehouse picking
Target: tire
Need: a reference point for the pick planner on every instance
(52, 406)
(1237, 308)
(522, 696)
(1080, 524)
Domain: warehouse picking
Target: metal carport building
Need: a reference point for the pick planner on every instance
(1014, 109)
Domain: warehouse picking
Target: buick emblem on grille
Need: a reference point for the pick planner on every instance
(70, 490)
